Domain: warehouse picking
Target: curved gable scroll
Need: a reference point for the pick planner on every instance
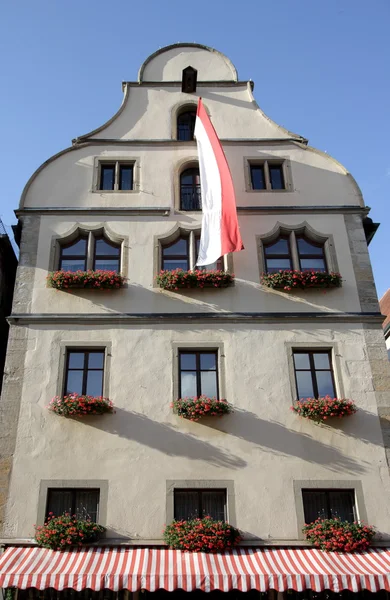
(91, 232)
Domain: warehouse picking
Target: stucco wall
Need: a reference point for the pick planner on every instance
(262, 446)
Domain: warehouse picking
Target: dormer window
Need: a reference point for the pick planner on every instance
(188, 80)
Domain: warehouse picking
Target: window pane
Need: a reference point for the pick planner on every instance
(208, 361)
(279, 247)
(276, 177)
(188, 361)
(313, 264)
(104, 264)
(126, 177)
(87, 503)
(277, 264)
(186, 505)
(306, 247)
(171, 265)
(314, 505)
(74, 383)
(325, 383)
(321, 360)
(304, 384)
(257, 176)
(208, 381)
(79, 248)
(342, 505)
(178, 248)
(107, 177)
(96, 360)
(185, 126)
(213, 505)
(94, 383)
(103, 248)
(76, 360)
(301, 361)
(188, 384)
(72, 265)
(59, 502)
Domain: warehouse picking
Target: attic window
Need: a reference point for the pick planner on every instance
(188, 81)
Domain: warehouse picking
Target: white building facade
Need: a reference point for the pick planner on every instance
(126, 196)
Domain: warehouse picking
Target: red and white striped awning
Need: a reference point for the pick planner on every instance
(243, 569)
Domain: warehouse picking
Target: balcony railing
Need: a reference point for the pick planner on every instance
(190, 197)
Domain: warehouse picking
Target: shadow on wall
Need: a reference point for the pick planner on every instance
(268, 436)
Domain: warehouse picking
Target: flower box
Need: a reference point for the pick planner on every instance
(333, 535)
(74, 405)
(195, 408)
(179, 279)
(95, 280)
(290, 280)
(59, 533)
(321, 409)
(201, 535)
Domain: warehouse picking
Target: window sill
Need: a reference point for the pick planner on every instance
(251, 191)
(115, 191)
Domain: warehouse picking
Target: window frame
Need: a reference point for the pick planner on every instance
(199, 492)
(85, 368)
(292, 232)
(199, 347)
(194, 186)
(169, 239)
(313, 371)
(198, 369)
(186, 110)
(276, 256)
(85, 484)
(73, 491)
(92, 234)
(65, 346)
(69, 244)
(226, 484)
(96, 238)
(275, 161)
(118, 162)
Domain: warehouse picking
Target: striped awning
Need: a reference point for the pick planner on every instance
(243, 569)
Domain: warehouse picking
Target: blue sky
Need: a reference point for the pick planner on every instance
(320, 67)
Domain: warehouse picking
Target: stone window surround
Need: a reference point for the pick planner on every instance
(282, 161)
(128, 160)
(65, 346)
(329, 485)
(174, 234)
(227, 484)
(291, 231)
(92, 231)
(100, 484)
(199, 346)
(316, 346)
(191, 162)
(179, 108)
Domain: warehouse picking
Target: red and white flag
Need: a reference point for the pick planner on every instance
(220, 232)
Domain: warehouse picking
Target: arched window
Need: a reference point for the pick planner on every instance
(190, 194)
(183, 254)
(73, 256)
(186, 125)
(90, 251)
(277, 255)
(311, 255)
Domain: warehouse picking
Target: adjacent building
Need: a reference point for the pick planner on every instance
(8, 264)
(126, 198)
(384, 304)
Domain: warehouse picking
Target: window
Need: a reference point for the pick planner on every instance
(267, 175)
(90, 251)
(328, 504)
(186, 125)
(300, 249)
(198, 373)
(277, 255)
(84, 372)
(192, 504)
(311, 255)
(80, 502)
(116, 175)
(190, 193)
(313, 374)
(183, 254)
